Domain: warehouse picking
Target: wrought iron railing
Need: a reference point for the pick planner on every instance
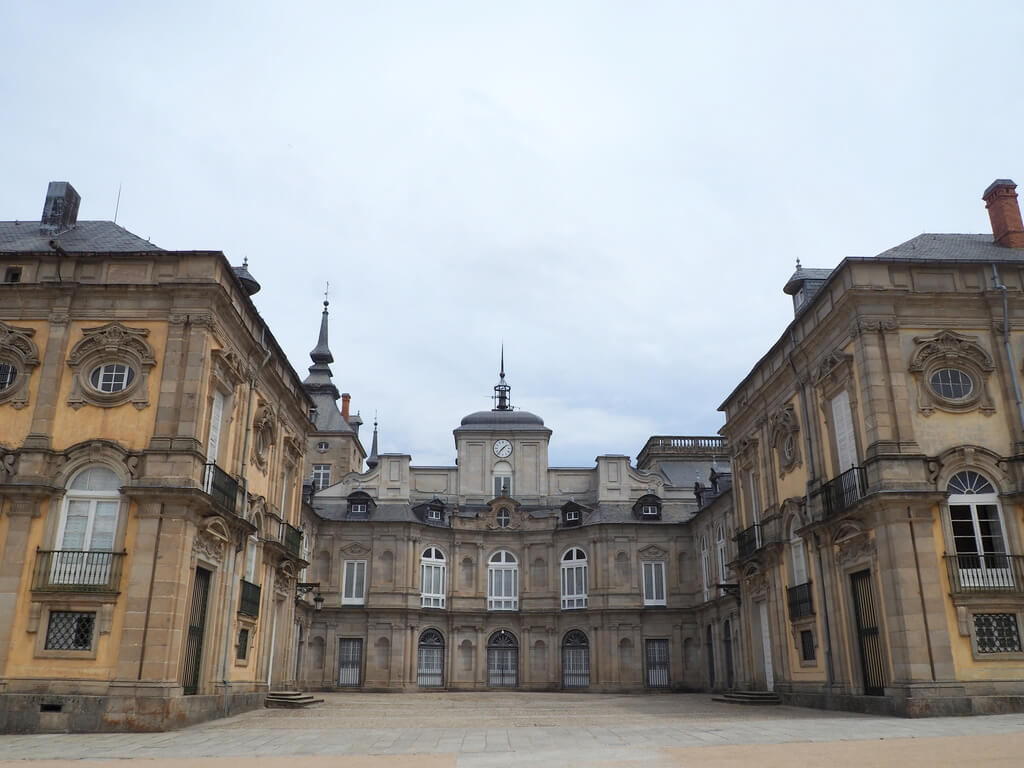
(221, 487)
(65, 570)
(291, 537)
(985, 573)
(750, 540)
(249, 604)
(801, 602)
(842, 492)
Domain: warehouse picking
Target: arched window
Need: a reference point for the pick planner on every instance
(503, 660)
(575, 660)
(430, 660)
(978, 534)
(432, 578)
(798, 554)
(502, 474)
(705, 567)
(88, 528)
(502, 582)
(574, 579)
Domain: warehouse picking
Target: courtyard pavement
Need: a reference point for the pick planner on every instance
(480, 730)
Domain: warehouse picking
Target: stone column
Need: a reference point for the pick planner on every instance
(135, 585)
(53, 372)
(21, 510)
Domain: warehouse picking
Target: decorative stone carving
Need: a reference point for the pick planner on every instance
(784, 429)
(18, 358)
(112, 343)
(264, 432)
(874, 325)
(207, 547)
(653, 553)
(960, 354)
(833, 369)
(855, 548)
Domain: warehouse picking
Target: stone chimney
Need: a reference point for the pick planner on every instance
(1004, 212)
(346, 398)
(60, 212)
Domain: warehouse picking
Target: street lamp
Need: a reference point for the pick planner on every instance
(303, 588)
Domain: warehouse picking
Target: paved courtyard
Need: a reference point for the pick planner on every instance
(478, 730)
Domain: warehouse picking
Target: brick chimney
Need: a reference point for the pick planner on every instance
(60, 211)
(345, 400)
(1004, 212)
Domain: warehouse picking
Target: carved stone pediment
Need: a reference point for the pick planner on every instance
(652, 552)
(112, 344)
(952, 372)
(854, 548)
(355, 549)
(783, 430)
(264, 433)
(833, 369)
(504, 513)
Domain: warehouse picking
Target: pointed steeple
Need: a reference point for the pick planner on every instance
(502, 389)
(320, 379)
(372, 460)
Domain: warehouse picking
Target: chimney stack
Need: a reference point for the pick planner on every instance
(345, 399)
(60, 212)
(1004, 212)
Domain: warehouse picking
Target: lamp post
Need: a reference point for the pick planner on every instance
(303, 588)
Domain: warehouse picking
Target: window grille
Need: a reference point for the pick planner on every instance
(243, 644)
(997, 632)
(807, 645)
(70, 631)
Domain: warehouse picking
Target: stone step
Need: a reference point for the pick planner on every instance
(748, 697)
(290, 700)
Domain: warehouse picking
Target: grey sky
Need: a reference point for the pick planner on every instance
(617, 190)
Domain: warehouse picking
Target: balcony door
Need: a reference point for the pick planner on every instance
(978, 534)
(88, 527)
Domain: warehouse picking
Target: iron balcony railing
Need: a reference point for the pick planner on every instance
(801, 603)
(841, 493)
(249, 604)
(291, 537)
(221, 487)
(985, 573)
(750, 540)
(65, 570)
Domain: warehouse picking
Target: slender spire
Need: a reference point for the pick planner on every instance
(372, 460)
(502, 389)
(321, 353)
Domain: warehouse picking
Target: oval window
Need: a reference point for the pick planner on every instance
(8, 373)
(789, 447)
(952, 383)
(112, 377)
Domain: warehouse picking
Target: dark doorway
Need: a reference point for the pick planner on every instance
(196, 630)
(869, 638)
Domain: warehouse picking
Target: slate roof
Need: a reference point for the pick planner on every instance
(84, 237)
(952, 247)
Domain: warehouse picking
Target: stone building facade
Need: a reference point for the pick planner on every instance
(151, 453)
(504, 572)
(878, 476)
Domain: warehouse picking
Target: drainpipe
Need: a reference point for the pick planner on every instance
(1006, 343)
(245, 514)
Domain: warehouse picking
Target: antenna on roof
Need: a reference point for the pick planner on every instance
(327, 288)
(117, 205)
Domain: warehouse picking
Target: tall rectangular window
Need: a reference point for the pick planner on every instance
(654, 582)
(502, 485)
(354, 588)
(321, 476)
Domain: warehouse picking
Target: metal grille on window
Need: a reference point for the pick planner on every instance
(657, 663)
(503, 660)
(807, 645)
(243, 644)
(430, 660)
(7, 375)
(575, 660)
(350, 655)
(70, 631)
(997, 632)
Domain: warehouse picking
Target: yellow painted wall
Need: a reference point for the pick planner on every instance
(17, 421)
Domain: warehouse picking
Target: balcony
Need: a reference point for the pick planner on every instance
(221, 487)
(249, 604)
(973, 573)
(63, 570)
(841, 493)
(801, 603)
(750, 540)
(291, 538)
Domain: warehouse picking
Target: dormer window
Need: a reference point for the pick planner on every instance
(357, 509)
(799, 298)
(359, 506)
(648, 507)
(572, 514)
(322, 446)
(434, 513)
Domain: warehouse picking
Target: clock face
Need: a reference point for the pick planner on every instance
(502, 449)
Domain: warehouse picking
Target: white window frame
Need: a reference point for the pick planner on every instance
(720, 546)
(354, 581)
(358, 508)
(251, 549)
(798, 554)
(433, 513)
(433, 578)
(654, 582)
(321, 476)
(986, 574)
(502, 481)
(69, 567)
(572, 515)
(502, 581)
(574, 579)
(705, 568)
(649, 510)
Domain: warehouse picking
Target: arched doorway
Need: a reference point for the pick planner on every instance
(430, 660)
(503, 660)
(575, 660)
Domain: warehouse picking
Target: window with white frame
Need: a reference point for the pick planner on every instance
(502, 582)
(574, 579)
(88, 524)
(321, 476)
(502, 485)
(979, 537)
(251, 549)
(720, 546)
(705, 568)
(432, 578)
(798, 554)
(354, 588)
(654, 582)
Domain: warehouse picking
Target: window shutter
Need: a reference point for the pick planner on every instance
(846, 445)
(216, 417)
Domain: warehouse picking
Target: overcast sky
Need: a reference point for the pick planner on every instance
(618, 191)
